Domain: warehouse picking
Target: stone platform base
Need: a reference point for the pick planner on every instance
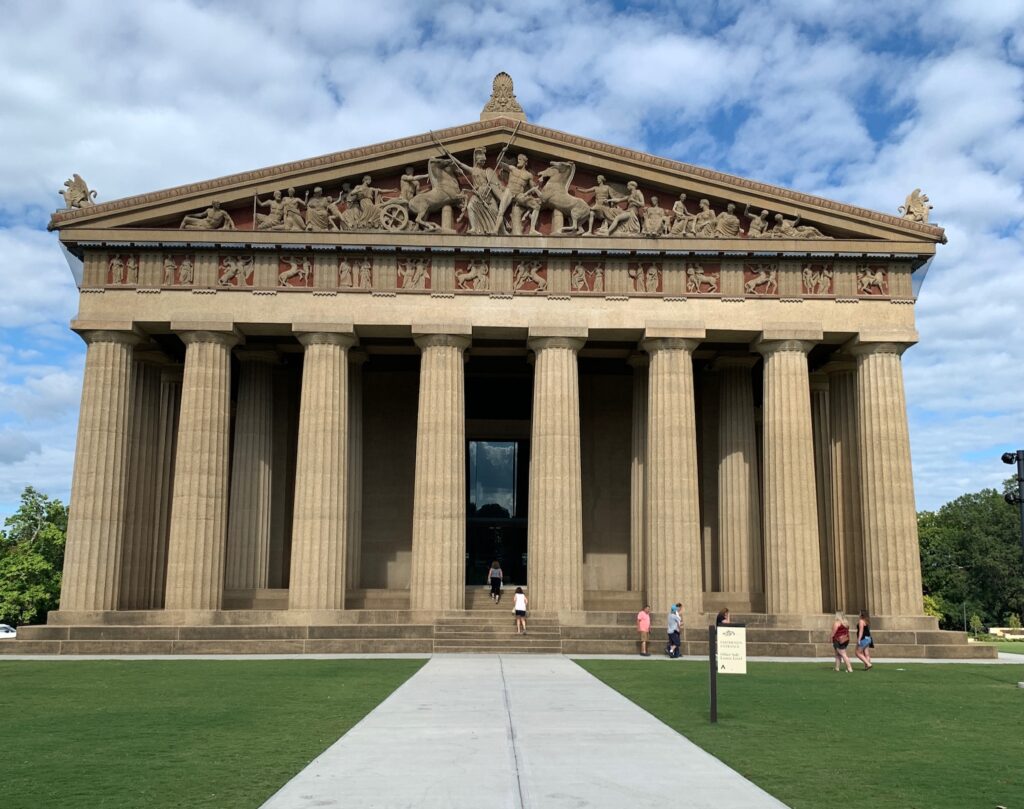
(486, 627)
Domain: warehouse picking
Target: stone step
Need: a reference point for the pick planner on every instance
(502, 650)
(490, 632)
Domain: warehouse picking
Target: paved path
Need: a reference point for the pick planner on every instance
(510, 732)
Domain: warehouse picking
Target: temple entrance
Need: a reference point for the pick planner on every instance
(498, 483)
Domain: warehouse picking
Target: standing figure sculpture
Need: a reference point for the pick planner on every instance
(213, 218)
(291, 212)
(169, 270)
(602, 207)
(345, 277)
(579, 279)
(481, 206)
(409, 183)
(363, 211)
(517, 193)
(365, 275)
(77, 194)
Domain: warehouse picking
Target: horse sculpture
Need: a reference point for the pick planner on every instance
(554, 194)
(444, 190)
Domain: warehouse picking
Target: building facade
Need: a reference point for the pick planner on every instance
(352, 382)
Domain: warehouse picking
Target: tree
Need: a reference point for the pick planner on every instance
(971, 558)
(31, 558)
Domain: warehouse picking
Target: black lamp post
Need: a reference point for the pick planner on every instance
(1018, 498)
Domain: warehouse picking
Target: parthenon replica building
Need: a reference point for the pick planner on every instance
(326, 395)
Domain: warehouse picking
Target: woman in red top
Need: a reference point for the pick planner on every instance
(840, 640)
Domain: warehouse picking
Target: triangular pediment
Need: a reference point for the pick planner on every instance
(451, 194)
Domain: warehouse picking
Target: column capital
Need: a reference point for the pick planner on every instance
(767, 347)
(538, 344)
(742, 361)
(425, 341)
(128, 337)
(863, 349)
(653, 344)
(321, 338)
(228, 339)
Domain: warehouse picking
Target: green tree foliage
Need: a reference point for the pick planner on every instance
(971, 559)
(31, 558)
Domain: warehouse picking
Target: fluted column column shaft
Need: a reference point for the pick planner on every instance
(92, 559)
(319, 526)
(167, 445)
(252, 470)
(792, 564)
(739, 500)
(437, 577)
(673, 514)
(847, 532)
(142, 500)
(638, 477)
(355, 474)
(892, 556)
(555, 525)
(822, 431)
(199, 510)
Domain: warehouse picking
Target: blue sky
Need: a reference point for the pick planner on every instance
(858, 102)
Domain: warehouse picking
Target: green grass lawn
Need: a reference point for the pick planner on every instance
(1010, 646)
(179, 733)
(901, 736)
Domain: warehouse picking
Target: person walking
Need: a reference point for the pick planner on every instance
(495, 576)
(643, 627)
(840, 640)
(519, 603)
(675, 623)
(864, 641)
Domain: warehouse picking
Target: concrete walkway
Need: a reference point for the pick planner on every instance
(510, 732)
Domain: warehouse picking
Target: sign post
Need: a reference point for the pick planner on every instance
(727, 654)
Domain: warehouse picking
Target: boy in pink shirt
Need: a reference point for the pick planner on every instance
(643, 626)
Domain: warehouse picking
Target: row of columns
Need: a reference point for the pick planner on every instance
(870, 496)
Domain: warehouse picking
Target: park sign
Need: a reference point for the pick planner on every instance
(732, 650)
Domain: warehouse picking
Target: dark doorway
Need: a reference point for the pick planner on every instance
(498, 478)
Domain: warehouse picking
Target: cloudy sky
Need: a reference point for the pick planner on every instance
(859, 102)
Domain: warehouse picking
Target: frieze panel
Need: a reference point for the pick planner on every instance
(123, 269)
(473, 274)
(587, 276)
(873, 280)
(703, 279)
(295, 271)
(761, 279)
(530, 276)
(235, 271)
(817, 279)
(646, 276)
(414, 273)
(355, 273)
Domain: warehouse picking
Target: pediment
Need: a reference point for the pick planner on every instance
(453, 196)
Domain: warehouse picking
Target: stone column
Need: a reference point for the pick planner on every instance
(319, 524)
(92, 559)
(638, 476)
(142, 496)
(199, 510)
(353, 563)
(739, 499)
(847, 532)
(252, 471)
(437, 580)
(822, 429)
(891, 554)
(792, 566)
(555, 525)
(167, 446)
(673, 517)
